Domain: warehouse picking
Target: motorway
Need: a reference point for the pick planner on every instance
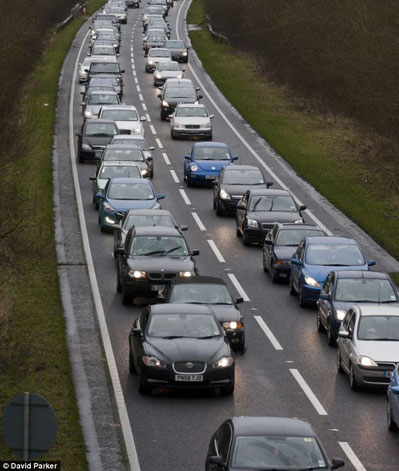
(288, 368)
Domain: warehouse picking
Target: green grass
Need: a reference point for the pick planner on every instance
(324, 150)
(195, 14)
(33, 349)
(395, 278)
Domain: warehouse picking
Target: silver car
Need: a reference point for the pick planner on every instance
(134, 140)
(156, 56)
(166, 70)
(126, 117)
(368, 344)
(191, 120)
(85, 65)
(96, 99)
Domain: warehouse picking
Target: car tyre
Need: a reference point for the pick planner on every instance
(352, 379)
(274, 276)
(219, 212)
(391, 424)
(291, 287)
(163, 115)
(81, 160)
(214, 204)
(331, 340)
(126, 300)
(118, 284)
(238, 233)
(132, 368)
(320, 327)
(300, 298)
(265, 269)
(172, 135)
(228, 390)
(144, 388)
(339, 363)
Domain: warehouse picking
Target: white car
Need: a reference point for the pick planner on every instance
(85, 65)
(126, 118)
(166, 70)
(191, 120)
(155, 56)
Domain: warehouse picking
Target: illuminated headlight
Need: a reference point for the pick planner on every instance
(194, 168)
(186, 274)
(205, 126)
(224, 195)
(184, 53)
(180, 76)
(224, 362)
(137, 275)
(153, 361)
(340, 314)
(232, 325)
(196, 102)
(158, 76)
(108, 208)
(179, 126)
(165, 104)
(89, 114)
(150, 62)
(311, 282)
(109, 220)
(144, 172)
(366, 361)
(298, 221)
(252, 223)
(116, 45)
(86, 147)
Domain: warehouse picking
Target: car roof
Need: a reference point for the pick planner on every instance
(119, 107)
(129, 137)
(240, 167)
(376, 309)
(141, 181)
(172, 308)
(292, 225)
(122, 146)
(124, 163)
(148, 212)
(210, 144)
(102, 92)
(330, 240)
(157, 231)
(177, 81)
(101, 121)
(271, 425)
(158, 49)
(361, 274)
(197, 279)
(190, 105)
(269, 192)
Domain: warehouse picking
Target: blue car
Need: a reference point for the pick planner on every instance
(205, 160)
(123, 194)
(316, 257)
(393, 402)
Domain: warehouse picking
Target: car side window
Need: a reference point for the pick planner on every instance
(327, 285)
(223, 441)
(300, 250)
(144, 319)
(332, 283)
(351, 324)
(345, 322)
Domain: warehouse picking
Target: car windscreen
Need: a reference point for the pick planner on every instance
(383, 328)
(183, 325)
(180, 92)
(211, 153)
(106, 37)
(124, 154)
(365, 290)
(157, 39)
(194, 112)
(277, 452)
(140, 143)
(130, 191)
(158, 52)
(105, 68)
(98, 81)
(100, 88)
(103, 99)
(272, 203)
(102, 51)
(292, 237)
(243, 177)
(94, 129)
(106, 18)
(86, 63)
(156, 246)
(334, 255)
(143, 220)
(200, 293)
(168, 66)
(175, 45)
(120, 115)
(119, 171)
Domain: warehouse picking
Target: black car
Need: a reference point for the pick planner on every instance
(106, 81)
(95, 135)
(281, 243)
(141, 218)
(152, 257)
(177, 91)
(132, 153)
(180, 346)
(259, 210)
(342, 289)
(98, 69)
(267, 443)
(214, 293)
(232, 182)
(178, 50)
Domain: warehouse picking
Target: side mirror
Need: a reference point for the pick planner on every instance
(160, 197)
(337, 463)
(92, 178)
(370, 263)
(195, 252)
(200, 97)
(269, 184)
(395, 389)
(122, 71)
(268, 242)
(211, 116)
(151, 148)
(216, 460)
(187, 157)
(240, 206)
(159, 95)
(149, 159)
(344, 334)
(295, 261)
(100, 195)
(239, 300)
(324, 296)
(302, 207)
(136, 332)
(183, 228)
(234, 158)
(143, 118)
(197, 89)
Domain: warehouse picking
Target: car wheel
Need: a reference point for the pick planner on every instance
(339, 363)
(163, 115)
(318, 322)
(291, 287)
(132, 368)
(241, 347)
(219, 212)
(144, 388)
(214, 204)
(244, 239)
(274, 276)
(172, 135)
(126, 300)
(391, 424)
(300, 298)
(352, 379)
(118, 285)
(238, 233)
(81, 160)
(188, 181)
(265, 269)
(228, 390)
(331, 340)
(102, 228)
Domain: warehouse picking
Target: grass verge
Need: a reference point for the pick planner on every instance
(327, 151)
(195, 14)
(33, 348)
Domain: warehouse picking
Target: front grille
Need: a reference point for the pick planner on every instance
(267, 227)
(385, 366)
(158, 276)
(191, 126)
(98, 147)
(375, 379)
(124, 131)
(197, 367)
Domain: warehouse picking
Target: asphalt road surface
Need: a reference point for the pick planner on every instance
(288, 368)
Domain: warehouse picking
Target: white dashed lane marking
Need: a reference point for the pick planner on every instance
(309, 393)
(238, 287)
(198, 221)
(216, 251)
(269, 334)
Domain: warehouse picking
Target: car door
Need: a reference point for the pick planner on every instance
(346, 347)
(224, 440)
(216, 185)
(324, 304)
(137, 341)
(296, 269)
(241, 213)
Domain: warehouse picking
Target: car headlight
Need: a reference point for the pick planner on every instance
(196, 102)
(144, 172)
(280, 263)
(224, 362)
(153, 361)
(158, 76)
(205, 126)
(252, 223)
(137, 130)
(186, 274)
(194, 167)
(165, 104)
(311, 282)
(137, 275)
(108, 208)
(184, 53)
(366, 361)
(116, 45)
(224, 195)
(88, 114)
(232, 325)
(150, 62)
(86, 147)
(178, 125)
(340, 314)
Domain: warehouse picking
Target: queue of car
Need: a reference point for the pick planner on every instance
(189, 338)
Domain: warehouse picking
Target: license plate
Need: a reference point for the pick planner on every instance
(190, 378)
(210, 177)
(388, 374)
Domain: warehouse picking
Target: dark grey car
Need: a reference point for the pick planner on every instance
(95, 135)
(178, 50)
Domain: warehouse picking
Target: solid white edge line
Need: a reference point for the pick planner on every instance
(174, 176)
(198, 221)
(309, 393)
(216, 251)
(269, 334)
(109, 354)
(144, 106)
(185, 197)
(152, 129)
(159, 143)
(352, 457)
(166, 158)
(238, 287)
(242, 139)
